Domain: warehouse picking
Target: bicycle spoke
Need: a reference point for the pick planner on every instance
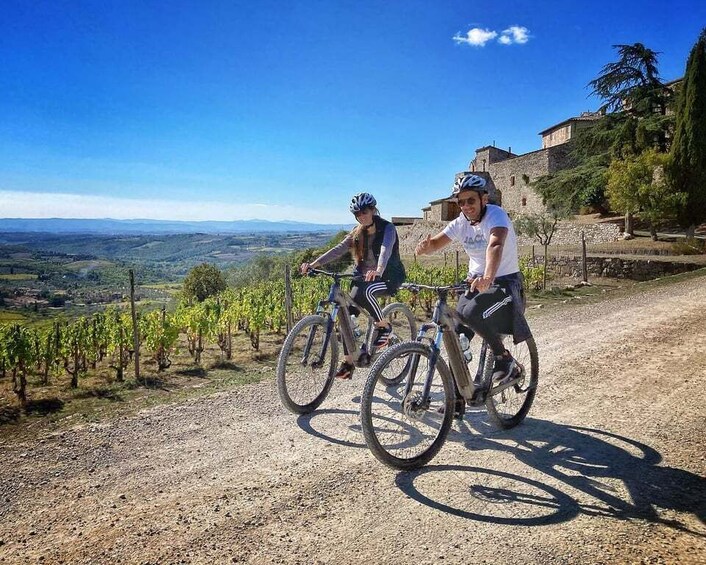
(304, 372)
(405, 429)
(508, 407)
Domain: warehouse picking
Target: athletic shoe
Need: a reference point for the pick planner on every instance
(505, 370)
(382, 336)
(345, 371)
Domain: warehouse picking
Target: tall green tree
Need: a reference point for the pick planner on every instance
(203, 281)
(636, 184)
(637, 120)
(687, 167)
(632, 82)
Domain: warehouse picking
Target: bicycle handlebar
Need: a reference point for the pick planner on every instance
(314, 272)
(416, 287)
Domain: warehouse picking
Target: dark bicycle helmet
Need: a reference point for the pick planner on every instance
(469, 181)
(361, 201)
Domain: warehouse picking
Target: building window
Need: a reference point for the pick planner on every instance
(483, 164)
(524, 201)
(512, 180)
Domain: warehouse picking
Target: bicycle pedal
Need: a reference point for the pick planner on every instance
(501, 387)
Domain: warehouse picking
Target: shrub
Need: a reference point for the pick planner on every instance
(689, 246)
(533, 274)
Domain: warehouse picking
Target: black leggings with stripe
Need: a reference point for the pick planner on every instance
(363, 294)
(488, 314)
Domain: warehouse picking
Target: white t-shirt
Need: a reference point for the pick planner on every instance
(475, 240)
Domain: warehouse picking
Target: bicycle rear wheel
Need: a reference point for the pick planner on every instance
(307, 364)
(404, 328)
(508, 407)
(402, 430)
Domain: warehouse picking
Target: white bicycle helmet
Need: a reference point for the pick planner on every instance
(361, 201)
(469, 182)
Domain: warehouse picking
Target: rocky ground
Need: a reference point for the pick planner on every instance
(609, 466)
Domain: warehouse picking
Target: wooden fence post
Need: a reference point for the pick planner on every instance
(584, 266)
(135, 331)
(288, 298)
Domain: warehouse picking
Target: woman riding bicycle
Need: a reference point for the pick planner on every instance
(375, 249)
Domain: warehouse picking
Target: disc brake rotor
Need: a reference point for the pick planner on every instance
(413, 407)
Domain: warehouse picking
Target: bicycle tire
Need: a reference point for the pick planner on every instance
(303, 392)
(507, 408)
(404, 329)
(390, 426)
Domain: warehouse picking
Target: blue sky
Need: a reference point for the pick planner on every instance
(282, 110)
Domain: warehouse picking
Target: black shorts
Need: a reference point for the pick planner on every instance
(492, 308)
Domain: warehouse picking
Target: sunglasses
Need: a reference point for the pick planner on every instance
(465, 201)
(361, 212)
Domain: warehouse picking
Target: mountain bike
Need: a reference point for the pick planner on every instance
(307, 363)
(406, 423)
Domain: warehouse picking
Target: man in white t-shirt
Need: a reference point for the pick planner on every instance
(487, 235)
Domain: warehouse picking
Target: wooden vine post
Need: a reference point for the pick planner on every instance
(135, 331)
(584, 266)
(288, 298)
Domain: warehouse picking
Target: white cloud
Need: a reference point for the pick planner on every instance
(476, 36)
(16, 204)
(514, 34)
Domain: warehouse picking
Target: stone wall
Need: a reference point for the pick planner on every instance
(568, 233)
(616, 267)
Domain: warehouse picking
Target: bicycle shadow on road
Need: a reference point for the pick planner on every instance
(621, 477)
(342, 426)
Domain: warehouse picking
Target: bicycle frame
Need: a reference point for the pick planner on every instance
(443, 318)
(338, 301)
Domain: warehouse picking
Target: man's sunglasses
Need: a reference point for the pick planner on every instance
(465, 201)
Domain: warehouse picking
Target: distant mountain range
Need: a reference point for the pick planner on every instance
(115, 227)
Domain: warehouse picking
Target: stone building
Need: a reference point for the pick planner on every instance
(512, 174)
(442, 210)
(564, 131)
(509, 175)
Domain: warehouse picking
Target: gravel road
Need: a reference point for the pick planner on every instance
(609, 467)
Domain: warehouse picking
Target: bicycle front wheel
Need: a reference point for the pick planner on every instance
(404, 328)
(307, 364)
(508, 407)
(403, 429)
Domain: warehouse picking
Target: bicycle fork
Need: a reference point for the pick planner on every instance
(327, 338)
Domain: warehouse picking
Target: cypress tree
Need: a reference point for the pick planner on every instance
(687, 168)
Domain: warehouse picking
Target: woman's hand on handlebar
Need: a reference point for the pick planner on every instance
(304, 268)
(371, 276)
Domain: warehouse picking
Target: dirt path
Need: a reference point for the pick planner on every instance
(608, 468)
